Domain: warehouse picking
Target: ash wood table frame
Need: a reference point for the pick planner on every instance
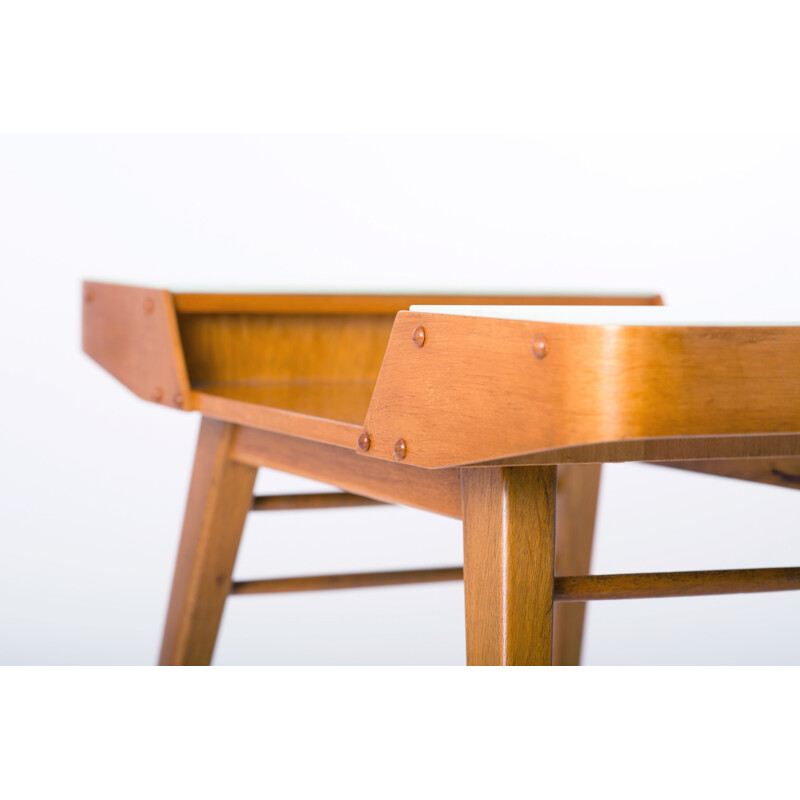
(340, 389)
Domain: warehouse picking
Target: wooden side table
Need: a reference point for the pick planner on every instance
(496, 410)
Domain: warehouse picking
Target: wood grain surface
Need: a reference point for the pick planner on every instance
(133, 334)
(568, 591)
(431, 490)
(509, 551)
(476, 392)
(271, 348)
(675, 584)
(220, 496)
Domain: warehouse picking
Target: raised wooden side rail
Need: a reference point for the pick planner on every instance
(304, 502)
(635, 586)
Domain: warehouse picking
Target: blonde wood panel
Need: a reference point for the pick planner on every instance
(477, 392)
(509, 547)
(431, 490)
(220, 495)
(252, 348)
(240, 303)
(576, 510)
(133, 334)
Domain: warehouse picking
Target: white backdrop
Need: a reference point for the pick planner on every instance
(94, 480)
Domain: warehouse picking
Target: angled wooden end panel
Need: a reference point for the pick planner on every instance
(133, 334)
(476, 392)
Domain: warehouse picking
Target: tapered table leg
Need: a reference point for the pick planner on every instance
(220, 496)
(576, 509)
(509, 548)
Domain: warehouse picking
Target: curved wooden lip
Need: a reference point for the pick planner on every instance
(658, 450)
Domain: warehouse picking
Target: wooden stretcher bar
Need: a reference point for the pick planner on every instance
(306, 502)
(567, 589)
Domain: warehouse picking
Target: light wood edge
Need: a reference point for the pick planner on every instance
(243, 303)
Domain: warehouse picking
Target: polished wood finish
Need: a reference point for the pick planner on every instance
(675, 584)
(463, 416)
(133, 334)
(290, 304)
(431, 490)
(597, 384)
(306, 502)
(509, 551)
(576, 509)
(303, 365)
(292, 348)
(220, 496)
(357, 580)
